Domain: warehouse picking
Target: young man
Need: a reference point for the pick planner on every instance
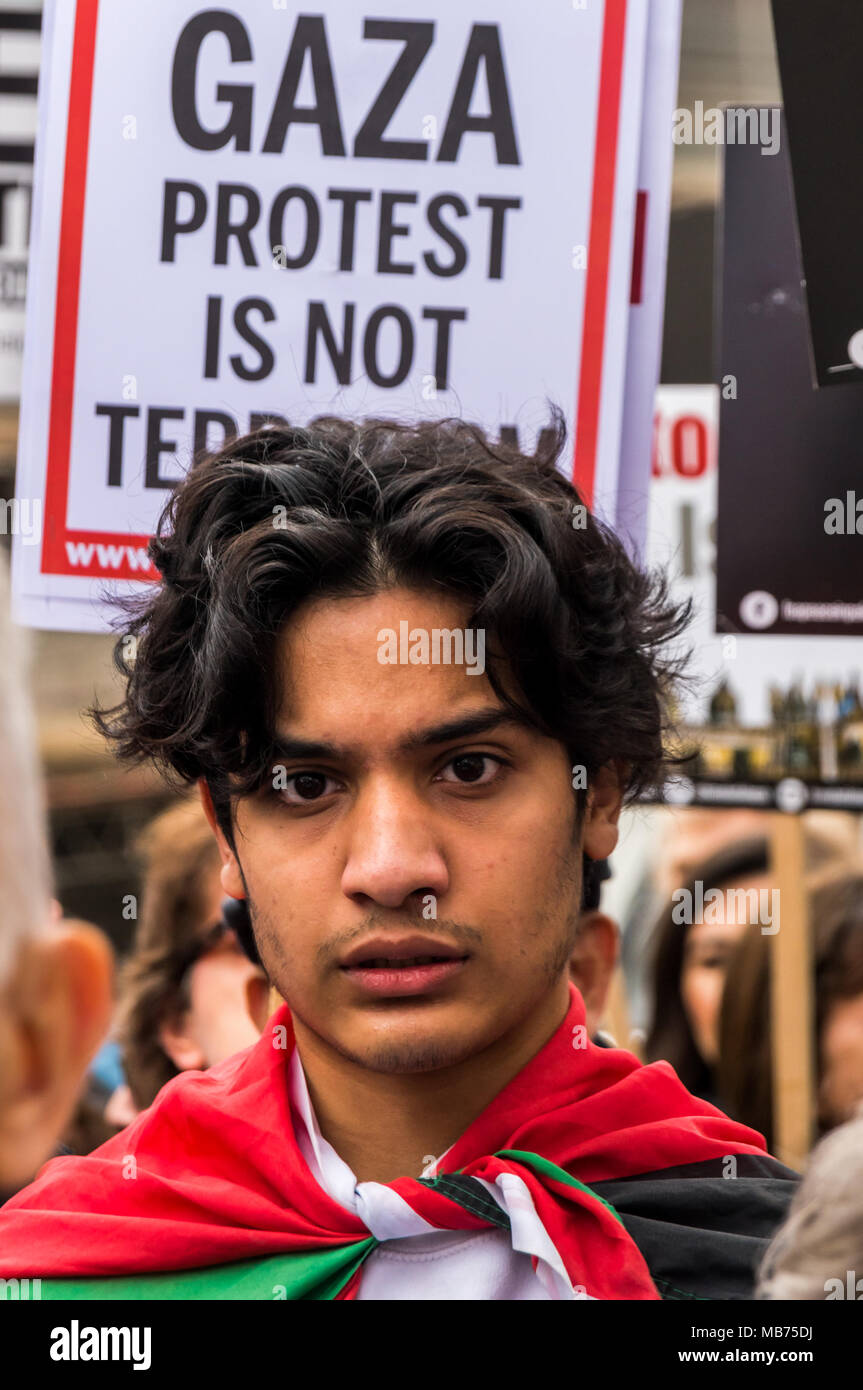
(414, 680)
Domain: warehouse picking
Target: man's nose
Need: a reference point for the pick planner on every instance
(391, 850)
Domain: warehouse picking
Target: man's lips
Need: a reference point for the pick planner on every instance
(389, 950)
(412, 965)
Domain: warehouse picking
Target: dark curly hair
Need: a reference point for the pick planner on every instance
(343, 508)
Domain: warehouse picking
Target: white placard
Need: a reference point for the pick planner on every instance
(649, 258)
(451, 203)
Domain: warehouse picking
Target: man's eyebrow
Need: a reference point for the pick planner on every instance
(482, 721)
(289, 749)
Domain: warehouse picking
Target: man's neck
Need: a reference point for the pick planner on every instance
(388, 1125)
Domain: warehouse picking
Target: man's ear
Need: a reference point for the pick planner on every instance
(55, 1013)
(604, 802)
(230, 875)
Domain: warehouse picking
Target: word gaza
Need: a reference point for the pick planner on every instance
(483, 58)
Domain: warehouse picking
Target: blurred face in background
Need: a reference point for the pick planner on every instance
(708, 949)
(227, 995)
(841, 1083)
(696, 834)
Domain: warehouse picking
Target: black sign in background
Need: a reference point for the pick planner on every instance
(820, 49)
(785, 448)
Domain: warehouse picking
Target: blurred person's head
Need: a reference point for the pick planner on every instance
(189, 996)
(354, 795)
(730, 896)
(818, 1252)
(55, 977)
(691, 957)
(745, 1072)
(839, 996)
(694, 835)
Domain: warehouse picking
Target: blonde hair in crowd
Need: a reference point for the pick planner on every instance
(818, 1252)
(25, 877)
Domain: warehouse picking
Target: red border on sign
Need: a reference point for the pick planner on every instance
(599, 249)
(58, 539)
(55, 554)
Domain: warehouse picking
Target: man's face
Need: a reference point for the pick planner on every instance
(394, 835)
(707, 953)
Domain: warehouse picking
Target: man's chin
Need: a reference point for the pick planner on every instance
(406, 1038)
(408, 1051)
(413, 1059)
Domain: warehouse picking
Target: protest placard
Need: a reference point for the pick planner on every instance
(253, 213)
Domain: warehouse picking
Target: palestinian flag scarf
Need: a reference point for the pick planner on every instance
(207, 1195)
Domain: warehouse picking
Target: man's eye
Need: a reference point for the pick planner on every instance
(307, 786)
(471, 769)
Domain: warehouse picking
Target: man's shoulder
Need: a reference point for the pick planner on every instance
(703, 1227)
